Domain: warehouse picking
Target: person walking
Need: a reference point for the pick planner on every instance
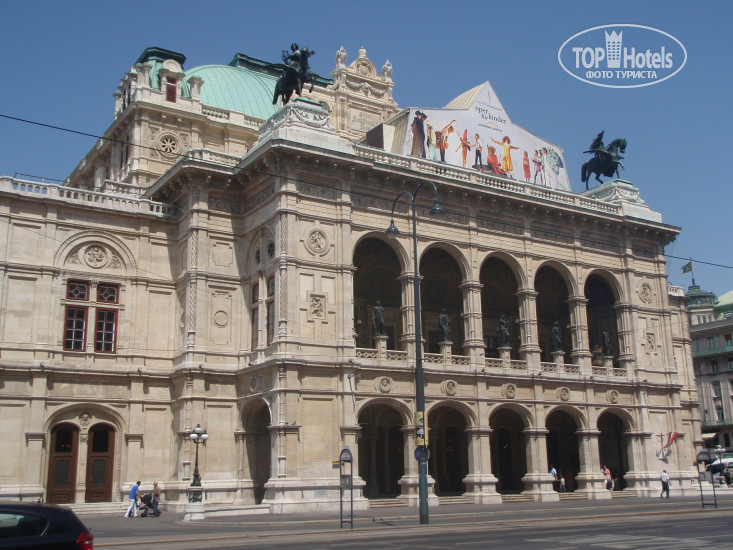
(132, 508)
(156, 499)
(665, 484)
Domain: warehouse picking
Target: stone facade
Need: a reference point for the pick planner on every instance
(233, 287)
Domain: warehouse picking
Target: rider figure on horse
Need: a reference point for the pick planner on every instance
(605, 161)
(295, 73)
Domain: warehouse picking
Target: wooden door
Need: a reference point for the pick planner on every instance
(100, 462)
(62, 464)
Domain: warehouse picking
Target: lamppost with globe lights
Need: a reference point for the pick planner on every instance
(198, 435)
(421, 448)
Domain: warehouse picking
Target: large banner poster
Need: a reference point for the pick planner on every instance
(474, 131)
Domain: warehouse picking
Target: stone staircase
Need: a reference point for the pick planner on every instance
(572, 496)
(82, 509)
(622, 494)
(515, 497)
(386, 503)
(459, 499)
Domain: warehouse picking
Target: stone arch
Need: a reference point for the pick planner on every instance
(509, 445)
(563, 445)
(614, 443)
(377, 277)
(454, 252)
(520, 275)
(554, 286)
(467, 411)
(402, 408)
(500, 280)
(574, 412)
(570, 282)
(256, 447)
(602, 292)
(113, 255)
(381, 458)
(442, 279)
(448, 443)
(250, 407)
(74, 414)
(96, 460)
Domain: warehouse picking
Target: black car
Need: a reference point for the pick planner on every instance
(42, 526)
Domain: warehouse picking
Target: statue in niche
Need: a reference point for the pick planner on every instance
(378, 319)
(444, 323)
(606, 339)
(556, 337)
(503, 330)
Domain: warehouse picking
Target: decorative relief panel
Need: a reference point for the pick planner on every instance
(563, 393)
(612, 396)
(383, 384)
(509, 391)
(317, 306)
(222, 254)
(316, 241)
(449, 387)
(645, 292)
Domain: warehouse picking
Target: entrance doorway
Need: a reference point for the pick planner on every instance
(381, 451)
(508, 451)
(448, 451)
(62, 464)
(100, 462)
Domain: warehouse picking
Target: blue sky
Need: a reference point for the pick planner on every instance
(62, 61)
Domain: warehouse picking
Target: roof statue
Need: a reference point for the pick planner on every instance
(605, 161)
(295, 73)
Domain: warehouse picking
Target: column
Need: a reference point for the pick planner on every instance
(537, 481)
(625, 339)
(480, 481)
(473, 345)
(408, 315)
(409, 483)
(636, 479)
(529, 349)
(590, 479)
(580, 354)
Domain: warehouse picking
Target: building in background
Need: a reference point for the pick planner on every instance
(216, 260)
(712, 351)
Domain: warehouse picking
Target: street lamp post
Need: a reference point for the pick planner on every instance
(421, 448)
(198, 436)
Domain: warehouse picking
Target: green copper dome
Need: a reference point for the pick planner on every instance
(234, 88)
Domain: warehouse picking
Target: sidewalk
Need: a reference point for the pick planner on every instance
(114, 530)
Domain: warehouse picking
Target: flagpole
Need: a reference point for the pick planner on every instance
(692, 270)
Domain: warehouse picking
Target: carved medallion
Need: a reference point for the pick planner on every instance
(383, 384)
(612, 396)
(509, 391)
(95, 256)
(221, 318)
(563, 393)
(449, 387)
(645, 293)
(254, 384)
(316, 241)
(84, 419)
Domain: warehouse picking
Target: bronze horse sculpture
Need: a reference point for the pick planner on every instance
(295, 74)
(606, 160)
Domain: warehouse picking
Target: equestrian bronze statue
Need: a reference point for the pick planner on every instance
(295, 73)
(605, 161)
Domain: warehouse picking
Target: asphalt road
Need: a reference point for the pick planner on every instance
(619, 524)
